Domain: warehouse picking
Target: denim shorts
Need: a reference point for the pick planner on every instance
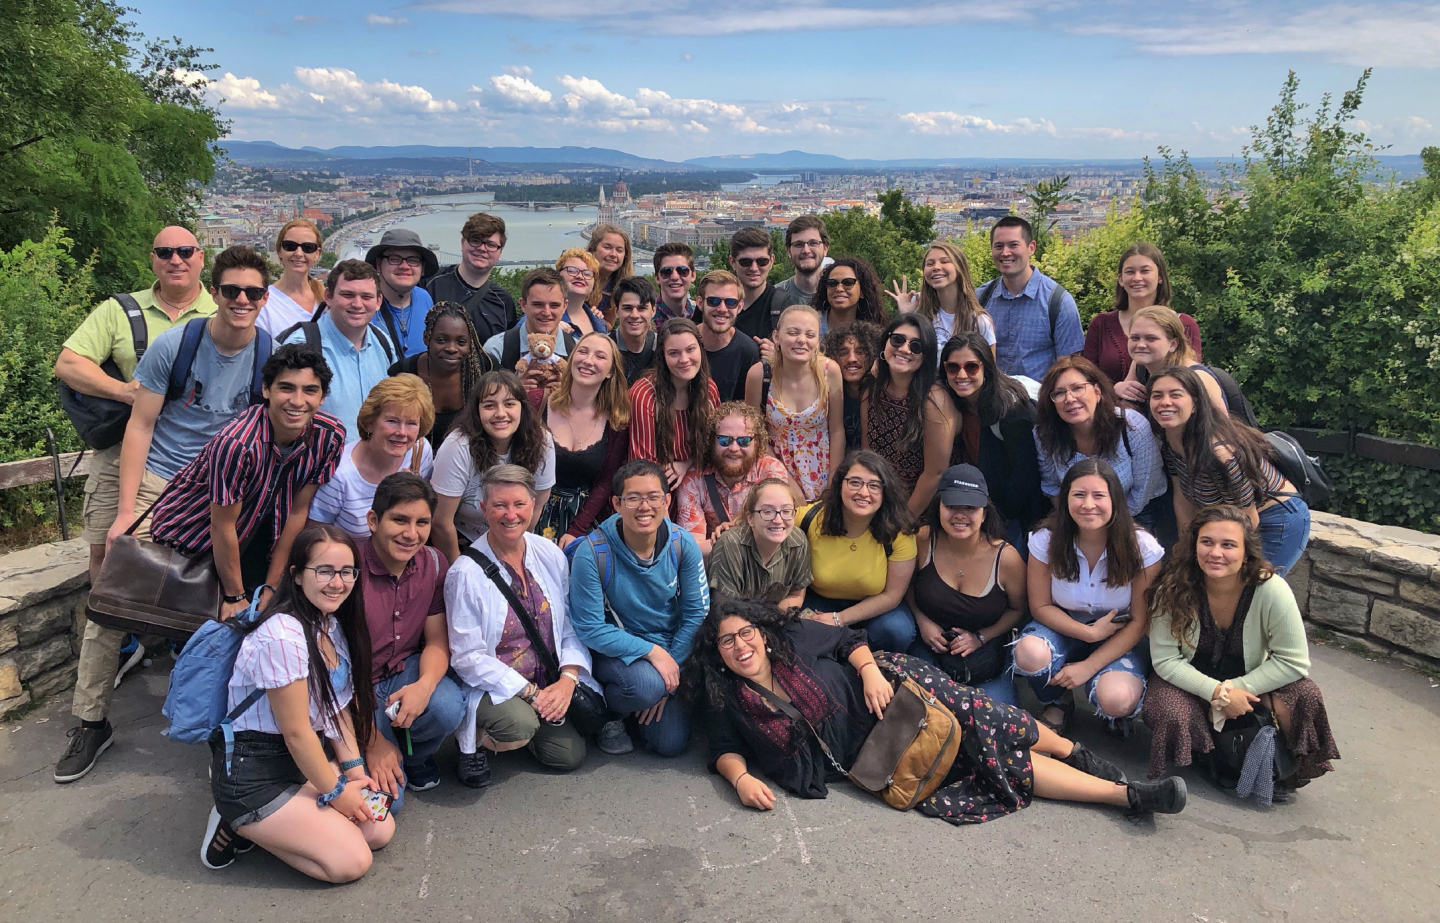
(1064, 649)
(263, 776)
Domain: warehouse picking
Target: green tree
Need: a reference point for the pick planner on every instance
(1046, 197)
(916, 223)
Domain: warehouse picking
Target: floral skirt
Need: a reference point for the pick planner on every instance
(993, 776)
(559, 511)
(1180, 727)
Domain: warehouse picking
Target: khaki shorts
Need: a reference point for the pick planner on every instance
(102, 495)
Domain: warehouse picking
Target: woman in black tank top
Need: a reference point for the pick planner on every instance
(969, 591)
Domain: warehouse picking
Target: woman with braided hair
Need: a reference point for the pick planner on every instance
(451, 364)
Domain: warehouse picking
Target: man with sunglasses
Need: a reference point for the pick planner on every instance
(402, 261)
(738, 457)
(674, 271)
(730, 356)
(751, 256)
(807, 244)
(491, 307)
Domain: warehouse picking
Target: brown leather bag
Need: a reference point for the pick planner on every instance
(907, 754)
(149, 588)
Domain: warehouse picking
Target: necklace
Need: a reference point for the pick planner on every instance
(178, 309)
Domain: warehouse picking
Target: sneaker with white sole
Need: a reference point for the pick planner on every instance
(221, 844)
(85, 747)
(613, 739)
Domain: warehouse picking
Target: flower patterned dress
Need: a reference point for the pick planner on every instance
(801, 439)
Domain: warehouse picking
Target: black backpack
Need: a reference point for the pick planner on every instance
(1301, 469)
(1057, 298)
(311, 329)
(99, 421)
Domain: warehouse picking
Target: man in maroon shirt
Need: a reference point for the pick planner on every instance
(404, 586)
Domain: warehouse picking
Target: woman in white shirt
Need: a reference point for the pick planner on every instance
(393, 421)
(292, 684)
(295, 295)
(1089, 569)
(497, 427)
(947, 295)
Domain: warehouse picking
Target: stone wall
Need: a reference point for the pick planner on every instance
(42, 613)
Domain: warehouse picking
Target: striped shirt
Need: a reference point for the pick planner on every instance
(642, 423)
(242, 464)
(274, 656)
(1204, 489)
(347, 497)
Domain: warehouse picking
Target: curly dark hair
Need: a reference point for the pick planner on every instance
(890, 520)
(1209, 429)
(1122, 547)
(999, 394)
(527, 446)
(1055, 436)
(1180, 589)
(870, 307)
(919, 390)
(706, 679)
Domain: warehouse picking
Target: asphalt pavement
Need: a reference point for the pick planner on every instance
(639, 838)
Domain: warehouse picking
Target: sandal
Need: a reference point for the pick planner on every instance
(1067, 711)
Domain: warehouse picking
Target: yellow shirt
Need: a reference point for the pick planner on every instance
(840, 573)
(105, 334)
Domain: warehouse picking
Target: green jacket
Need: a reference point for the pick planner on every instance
(1276, 652)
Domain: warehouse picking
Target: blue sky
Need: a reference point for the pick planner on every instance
(914, 78)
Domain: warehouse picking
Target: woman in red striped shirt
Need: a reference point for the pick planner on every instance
(672, 403)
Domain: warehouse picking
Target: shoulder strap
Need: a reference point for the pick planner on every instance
(510, 349)
(185, 357)
(790, 711)
(987, 291)
(387, 315)
(716, 500)
(600, 547)
(263, 347)
(139, 333)
(569, 343)
(765, 385)
(384, 341)
(808, 518)
(1057, 298)
(547, 657)
(675, 553)
(310, 328)
(1125, 434)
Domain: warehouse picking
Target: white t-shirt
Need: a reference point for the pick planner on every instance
(274, 656)
(1090, 591)
(281, 312)
(455, 476)
(945, 328)
(347, 496)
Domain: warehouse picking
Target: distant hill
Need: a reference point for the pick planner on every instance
(268, 153)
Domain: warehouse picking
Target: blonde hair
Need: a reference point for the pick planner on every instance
(968, 310)
(614, 397)
(405, 391)
(316, 288)
(586, 257)
(627, 268)
(1169, 323)
(817, 359)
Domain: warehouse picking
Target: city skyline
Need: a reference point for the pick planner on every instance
(883, 81)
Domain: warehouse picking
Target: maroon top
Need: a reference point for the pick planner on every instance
(396, 608)
(1107, 346)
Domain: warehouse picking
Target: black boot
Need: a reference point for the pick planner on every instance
(1166, 796)
(1092, 764)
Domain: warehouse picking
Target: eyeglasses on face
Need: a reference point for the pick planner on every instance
(681, 271)
(855, 483)
(579, 272)
(727, 642)
(833, 282)
(898, 340)
(635, 501)
(716, 301)
(806, 244)
(325, 573)
(745, 262)
(484, 243)
(768, 514)
(971, 368)
(742, 441)
(1060, 394)
(184, 252)
(252, 292)
(398, 259)
(304, 246)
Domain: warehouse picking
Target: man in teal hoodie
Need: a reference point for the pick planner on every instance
(637, 596)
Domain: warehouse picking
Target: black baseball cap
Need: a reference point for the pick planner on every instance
(963, 485)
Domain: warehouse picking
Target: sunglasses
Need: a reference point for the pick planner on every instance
(971, 368)
(836, 283)
(742, 441)
(166, 252)
(307, 246)
(252, 292)
(747, 261)
(681, 271)
(898, 340)
(716, 301)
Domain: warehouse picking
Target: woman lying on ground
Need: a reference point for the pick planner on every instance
(841, 689)
(1223, 623)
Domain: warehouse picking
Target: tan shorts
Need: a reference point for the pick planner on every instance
(102, 495)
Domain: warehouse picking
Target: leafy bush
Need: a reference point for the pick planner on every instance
(1374, 491)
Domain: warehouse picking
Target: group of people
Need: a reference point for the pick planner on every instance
(619, 510)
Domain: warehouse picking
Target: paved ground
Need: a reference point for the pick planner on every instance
(637, 838)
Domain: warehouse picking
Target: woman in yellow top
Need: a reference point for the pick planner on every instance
(862, 552)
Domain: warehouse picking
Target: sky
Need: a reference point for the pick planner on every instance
(675, 79)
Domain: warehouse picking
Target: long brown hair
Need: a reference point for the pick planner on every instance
(613, 400)
(1122, 547)
(527, 446)
(1056, 438)
(1179, 591)
(968, 309)
(699, 407)
(1209, 428)
(627, 268)
(1153, 254)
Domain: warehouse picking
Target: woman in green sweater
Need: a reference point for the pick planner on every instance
(1225, 635)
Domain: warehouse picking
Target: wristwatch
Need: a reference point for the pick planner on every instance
(237, 598)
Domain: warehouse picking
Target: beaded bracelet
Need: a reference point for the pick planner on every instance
(324, 800)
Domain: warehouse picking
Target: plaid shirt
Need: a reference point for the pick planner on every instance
(242, 464)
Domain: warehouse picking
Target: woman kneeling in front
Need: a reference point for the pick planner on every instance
(747, 656)
(512, 700)
(277, 788)
(1227, 636)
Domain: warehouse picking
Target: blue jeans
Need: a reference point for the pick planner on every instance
(889, 631)
(637, 686)
(1016, 535)
(1064, 649)
(1284, 533)
(427, 732)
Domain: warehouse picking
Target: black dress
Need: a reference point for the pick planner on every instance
(576, 473)
(949, 608)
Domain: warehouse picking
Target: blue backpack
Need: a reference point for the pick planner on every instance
(605, 565)
(199, 683)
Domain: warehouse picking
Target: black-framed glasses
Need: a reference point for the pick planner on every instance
(742, 441)
(681, 271)
(399, 259)
(252, 292)
(325, 573)
(304, 246)
(1060, 394)
(806, 244)
(484, 243)
(767, 514)
(833, 282)
(185, 252)
(727, 642)
(745, 262)
(971, 368)
(897, 340)
(855, 483)
(716, 301)
(635, 501)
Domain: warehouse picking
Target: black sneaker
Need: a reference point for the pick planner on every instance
(423, 777)
(1166, 796)
(85, 747)
(129, 662)
(1092, 764)
(221, 844)
(473, 769)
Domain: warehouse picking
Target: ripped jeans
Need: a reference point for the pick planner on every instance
(1064, 649)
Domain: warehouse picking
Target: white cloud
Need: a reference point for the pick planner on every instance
(243, 93)
(355, 95)
(518, 92)
(956, 123)
(386, 22)
(519, 70)
(590, 95)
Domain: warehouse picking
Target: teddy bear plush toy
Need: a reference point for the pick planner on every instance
(542, 359)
